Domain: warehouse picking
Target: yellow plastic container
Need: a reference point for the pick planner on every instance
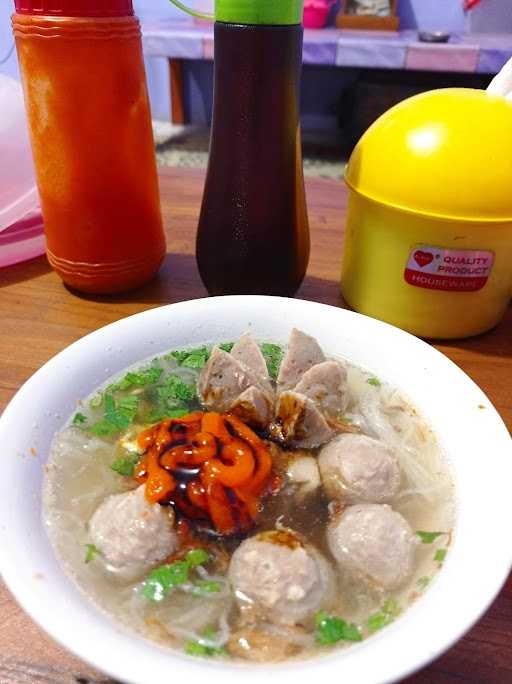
(428, 243)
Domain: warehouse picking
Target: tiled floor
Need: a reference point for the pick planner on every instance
(188, 146)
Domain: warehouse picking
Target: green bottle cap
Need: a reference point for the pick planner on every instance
(252, 12)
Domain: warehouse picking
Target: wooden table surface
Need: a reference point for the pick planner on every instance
(40, 317)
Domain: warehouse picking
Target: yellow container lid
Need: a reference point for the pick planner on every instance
(444, 153)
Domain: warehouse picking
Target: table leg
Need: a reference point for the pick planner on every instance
(176, 84)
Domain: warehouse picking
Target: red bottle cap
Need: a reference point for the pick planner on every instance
(75, 8)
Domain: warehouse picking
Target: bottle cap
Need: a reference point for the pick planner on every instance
(75, 8)
(252, 12)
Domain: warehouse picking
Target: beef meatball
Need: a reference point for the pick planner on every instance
(359, 469)
(132, 534)
(279, 577)
(373, 544)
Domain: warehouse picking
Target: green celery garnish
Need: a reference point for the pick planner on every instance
(178, 356)
(192, 358)
(196, 359)
(176, 388)
(440, 555)
(125, 465)
(118, 415)
(141, 378)
(197, 557)
(331, 629)
(428, 537)
(374, 382)
(227, 346)
(103, 428)
(273, 355)
(96, 401)
(389, 611)
(122, 412)
(161, 581)
(91, 552)
(79, 419)
(198, 648)
(205, 587)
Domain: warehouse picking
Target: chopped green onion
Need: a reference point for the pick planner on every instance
(79, 419)
(331, 629)
(91, 552)
(374, 382)
(428, 537)
(440, 555)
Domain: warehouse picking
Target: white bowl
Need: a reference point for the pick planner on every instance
(471, 433)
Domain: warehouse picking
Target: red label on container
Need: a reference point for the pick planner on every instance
(456, 270)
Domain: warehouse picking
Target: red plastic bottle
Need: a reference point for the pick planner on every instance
(86, 97)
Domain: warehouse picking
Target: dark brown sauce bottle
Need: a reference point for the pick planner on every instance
(253, 235)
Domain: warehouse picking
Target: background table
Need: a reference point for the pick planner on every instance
(40, 317)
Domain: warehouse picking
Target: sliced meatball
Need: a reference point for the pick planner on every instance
(254, 407)
(359, 469)
(302, 423)
(247, 352)
(223, 380)
(279, 578)
(326, 384)
(374, 544)
(302, 353)
(132, 534)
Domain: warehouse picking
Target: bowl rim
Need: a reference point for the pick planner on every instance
(125, 656)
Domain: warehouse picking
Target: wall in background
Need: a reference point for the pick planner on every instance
(445, 15)
(491, 16)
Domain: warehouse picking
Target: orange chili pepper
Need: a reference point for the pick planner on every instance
(243, 431)
(203, 448)
(229, 455)
(219, 508)
(250, 500)
(197, 494)
(214, 423)
(241, 457)
(159, 483)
